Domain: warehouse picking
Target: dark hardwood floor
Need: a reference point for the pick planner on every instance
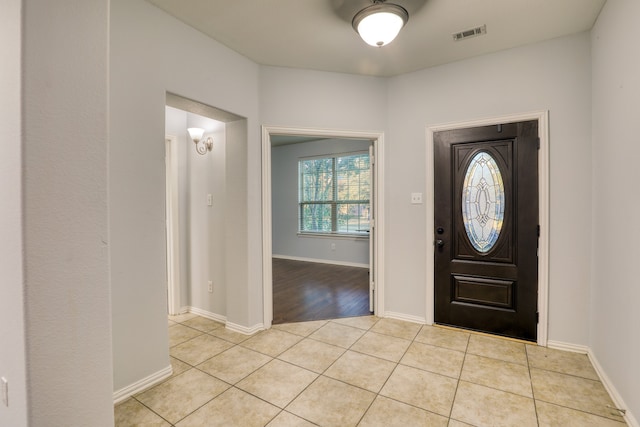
(304, 291)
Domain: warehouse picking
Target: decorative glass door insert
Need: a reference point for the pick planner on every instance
(483, 202)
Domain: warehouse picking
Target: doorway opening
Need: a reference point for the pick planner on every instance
(456, 281)
(307, 290)
(333, 232)
(196, 206)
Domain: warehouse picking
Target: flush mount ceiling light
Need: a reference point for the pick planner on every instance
(201, 146)
(380, 23)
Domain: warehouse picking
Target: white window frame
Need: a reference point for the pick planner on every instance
(334, 202)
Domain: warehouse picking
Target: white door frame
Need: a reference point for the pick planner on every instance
(543, 193)
(172, 225)
(377, 139)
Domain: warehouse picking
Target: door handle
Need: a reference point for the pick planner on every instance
(439, 243)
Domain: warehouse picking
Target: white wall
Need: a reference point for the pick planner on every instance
(322, 100)
(284, 194)
(244, 303)
(67, 298)
(152, 53)
(12, 328)
(615, 234)
(206, 223)
(66, 304)
(554, 76)
(202, 255)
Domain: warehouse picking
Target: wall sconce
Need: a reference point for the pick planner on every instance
(201, 146)
(380, 23)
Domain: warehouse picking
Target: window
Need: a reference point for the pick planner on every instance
(334, 194)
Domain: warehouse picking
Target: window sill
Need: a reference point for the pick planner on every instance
(359, 236)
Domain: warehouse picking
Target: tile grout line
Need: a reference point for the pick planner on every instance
(154, 412)
(200, 370)
(233, 386)
(319, 375)
(327, 368)
(277, 357)
(377, 394)
(558, 372)
(350, 348)
(387, 380)
(533, 395)
(322, 374)
(464, 359)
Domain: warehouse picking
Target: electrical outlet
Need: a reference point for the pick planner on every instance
(416, 198)
(209, 200)
(5, 391)
(210, 286)
(333, 246)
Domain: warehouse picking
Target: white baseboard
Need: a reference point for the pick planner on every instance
(575, 348)
(209, 315)
(223, 319)
(181, 310)
(322, 261)
(142, 385)
(405, 317)
(615, 396)
(245, 330)
(606, 382)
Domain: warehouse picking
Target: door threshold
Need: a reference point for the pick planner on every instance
(485, 334)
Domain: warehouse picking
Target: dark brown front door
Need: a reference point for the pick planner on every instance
(486, 228)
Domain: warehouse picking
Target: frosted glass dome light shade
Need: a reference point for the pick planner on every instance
(380, 23)
(195, 134)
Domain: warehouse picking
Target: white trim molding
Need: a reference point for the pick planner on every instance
(322, 261)
(574, 348)
(244, 329)
(618, 401)
(183, 310)
(229, 325)
(543, 215)
(140, 386)
(172, 224)
(405, 317)
(377, 260)
(209, 315)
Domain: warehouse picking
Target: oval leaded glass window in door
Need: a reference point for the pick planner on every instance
(483, 202)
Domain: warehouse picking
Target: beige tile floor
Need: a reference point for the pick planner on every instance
(365, 371)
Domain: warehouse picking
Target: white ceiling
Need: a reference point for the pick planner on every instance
(317, 34)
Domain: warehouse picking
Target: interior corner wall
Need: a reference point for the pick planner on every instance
(284, 194)
(615, 317)
(552, 75)
(236, 236)
(12, 308)
(202, 254)
(66, 264)
(205, 231)
(219, 216)
(152, 53)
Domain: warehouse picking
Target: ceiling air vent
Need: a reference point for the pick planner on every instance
(473, 32)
